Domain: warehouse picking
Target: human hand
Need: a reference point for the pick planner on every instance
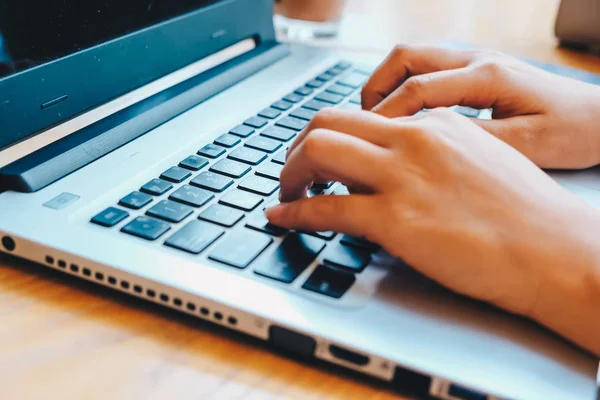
(551, 119)
(455, 203)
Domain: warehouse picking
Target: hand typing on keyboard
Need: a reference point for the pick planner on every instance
(453, 200)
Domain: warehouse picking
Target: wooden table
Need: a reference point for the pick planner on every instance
(60, 338)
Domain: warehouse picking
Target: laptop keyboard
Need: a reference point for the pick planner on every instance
(218, 196)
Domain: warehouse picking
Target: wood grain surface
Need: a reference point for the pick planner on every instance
(65, 339)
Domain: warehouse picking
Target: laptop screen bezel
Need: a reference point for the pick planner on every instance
(127, 63)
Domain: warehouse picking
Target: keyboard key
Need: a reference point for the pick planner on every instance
(157, 187)
(323, 186)
(110, 217)
(339, 89)
(280, 157)
(329, 98)
(194, 163)
(292, 123)
(350, 106)
(256, 122)
(303, 113)
(212, 151)
(146, 228)
(303, 91)
(329, 281)
(343, 65)
(230, 168)
(466, 111)
(227, 140)
(170, 211)
(247, 155)
(239, 249)
(195, 237)
(292, 257)
(356, 99)
(325, 77)
(282, 105)
(347, 257)
(270, 113)
(316, 105)
(221, 215)
(314, 84)
(191, 196)
(176, 174)
(323, 235)
(353, 80)
(360, 243)
(270, 170)
(259, 222)
(279, 133)
(212, 181)
(242, 200)
(264, 144)
(335, 71)
(242, 131)
(293, 98)
(258, 185)
(135, 200)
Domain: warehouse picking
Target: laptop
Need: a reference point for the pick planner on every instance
(140, 143)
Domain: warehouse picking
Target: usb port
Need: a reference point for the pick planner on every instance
(462, 393)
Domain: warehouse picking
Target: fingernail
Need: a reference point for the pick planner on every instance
(275, 213)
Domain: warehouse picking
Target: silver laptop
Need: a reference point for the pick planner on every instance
(139, 150)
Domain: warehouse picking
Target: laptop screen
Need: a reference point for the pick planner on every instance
(34, 32)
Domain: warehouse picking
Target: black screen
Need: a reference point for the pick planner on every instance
(34, 32)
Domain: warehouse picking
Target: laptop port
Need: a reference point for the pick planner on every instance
(293, 342)
(411, 383)
(348, 355)
(462, 393)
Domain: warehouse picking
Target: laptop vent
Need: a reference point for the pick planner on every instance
(148, 293)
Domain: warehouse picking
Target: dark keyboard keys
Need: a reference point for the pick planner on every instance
(241, 200)
(221, 215)
(135, 200)
(356, 99)
(339, 89)
(227, 140)
(325, 77)
(239, 249)
(270, 113)
(256, 122)
(110, 217)
(292, 257)
(212, 181)
(176, 174)
(280, 157)
(146, 228)
(323, 186)
(353, 80)
(347, 257)
(329, 281)
(329, 98)
(270, 170)
(242, 131)
(264, 144)
(292, 123)
(230, 168)
(157, 187)
(316, 105)
(303, 113)
(279, 133)
(195, 237)
(360, 243)
(303, 91)
(170, 211)
(282, 105)
(259, 185)
(195, 163)
(343, 65)
(247, 155)
(212, 151)
(323, 235)
(259, 222)
(293, 98)
(191, 196)
(315, 84)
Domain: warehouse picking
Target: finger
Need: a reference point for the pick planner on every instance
(355, 123)
(406, 61)
(351, 214)
(441, 89)
(333, 156)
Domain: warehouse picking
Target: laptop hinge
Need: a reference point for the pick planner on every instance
(64, 156)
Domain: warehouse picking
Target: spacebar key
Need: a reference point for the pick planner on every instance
(240, 248)
(291, 258)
